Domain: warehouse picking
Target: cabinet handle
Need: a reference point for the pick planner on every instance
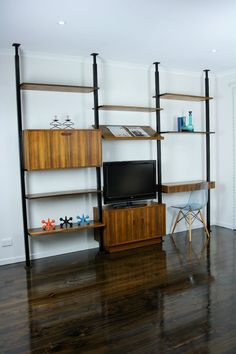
(66, 133)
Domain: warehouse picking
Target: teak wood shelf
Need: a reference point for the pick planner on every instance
(128, 108)
(62, 193)
(187, 186)
(183, 97)
(75, 228)
(186, 132)
(153, 135)
(57, 88)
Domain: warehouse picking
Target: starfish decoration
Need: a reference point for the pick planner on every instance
(66, 222)
(48, 224)
(83, 220)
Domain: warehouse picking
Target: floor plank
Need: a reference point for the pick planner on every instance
(170, 298)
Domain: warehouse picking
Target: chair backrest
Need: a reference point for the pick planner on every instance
(199, 197)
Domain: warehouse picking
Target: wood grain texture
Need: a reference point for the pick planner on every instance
(164, 299)
(126, 227)
(38, 231)
(186, 132)
(55, 149)
(75, 192)
(183, 97)
(187, 186)
(56, 87)
(129, 108)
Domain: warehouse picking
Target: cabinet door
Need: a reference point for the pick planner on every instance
(155, 220)
(52, 149)
(138, 218)
(118, 227)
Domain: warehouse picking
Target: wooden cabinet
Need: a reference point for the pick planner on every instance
(53, 149)
(133, 227)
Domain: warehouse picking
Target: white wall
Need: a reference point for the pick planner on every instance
(225, 158)
(183, 156)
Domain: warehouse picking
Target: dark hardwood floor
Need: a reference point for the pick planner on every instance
(169, 298)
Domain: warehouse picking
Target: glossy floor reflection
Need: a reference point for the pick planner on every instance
(172, 298)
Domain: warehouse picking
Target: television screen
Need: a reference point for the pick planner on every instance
(127, 181)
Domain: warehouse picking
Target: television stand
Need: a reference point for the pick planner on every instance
(128, 205)
(133, 226)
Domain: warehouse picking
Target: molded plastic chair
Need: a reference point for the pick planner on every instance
(192, 210)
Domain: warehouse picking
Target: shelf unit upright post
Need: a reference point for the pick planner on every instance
(158, 129)
(20, 142)
(208, 157)
(96, 125)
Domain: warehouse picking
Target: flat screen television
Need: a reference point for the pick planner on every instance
(128, 181)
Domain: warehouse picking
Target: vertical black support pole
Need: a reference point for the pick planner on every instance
(208, 158)
(20, 141)
(158, 129)
(96, 123)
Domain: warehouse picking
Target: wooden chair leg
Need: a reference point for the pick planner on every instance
(176, 222)
(204, 223)
(190, 226)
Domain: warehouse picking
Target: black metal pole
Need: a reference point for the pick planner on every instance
(208, 158)
(95, 93)
(96, 124)
(20, 141)
(158, 129)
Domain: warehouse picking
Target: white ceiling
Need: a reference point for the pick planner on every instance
(178, 33)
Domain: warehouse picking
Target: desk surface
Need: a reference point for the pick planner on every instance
(187, 186)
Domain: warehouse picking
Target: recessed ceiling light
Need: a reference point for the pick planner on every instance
(61, 23)
(213, 50)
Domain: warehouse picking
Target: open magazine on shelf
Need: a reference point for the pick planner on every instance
(127, 131)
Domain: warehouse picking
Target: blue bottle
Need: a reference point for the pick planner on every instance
(190, 122)
(181, 123)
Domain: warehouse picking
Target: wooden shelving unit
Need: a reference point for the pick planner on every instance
(153, 135)
(75, 192)
(132, 227)
(56, 87)
(49, 149)
(192, 185)
(183, 97)
(75, 228)
(187, 186)
(128, 108)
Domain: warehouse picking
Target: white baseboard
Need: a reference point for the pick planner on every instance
(11, 260)
(38, 255)
(222, 224)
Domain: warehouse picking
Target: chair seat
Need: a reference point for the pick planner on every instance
(192, 206)
(191, 210)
